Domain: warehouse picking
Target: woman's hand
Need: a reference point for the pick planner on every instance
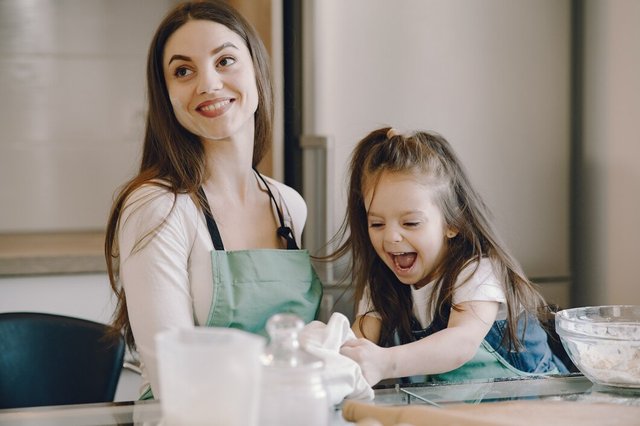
(373, 359)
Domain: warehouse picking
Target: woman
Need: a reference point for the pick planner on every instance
(199, 237)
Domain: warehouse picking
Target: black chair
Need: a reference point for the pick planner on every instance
(50, 359)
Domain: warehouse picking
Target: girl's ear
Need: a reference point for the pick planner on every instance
(451, 232)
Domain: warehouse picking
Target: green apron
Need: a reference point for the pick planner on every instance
(249, 286)
(487, 363)
(252, 285)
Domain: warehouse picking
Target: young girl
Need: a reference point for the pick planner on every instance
(437, 292)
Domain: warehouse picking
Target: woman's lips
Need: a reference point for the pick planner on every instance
(214, 108)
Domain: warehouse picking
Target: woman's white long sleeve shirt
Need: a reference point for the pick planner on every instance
(166, 272)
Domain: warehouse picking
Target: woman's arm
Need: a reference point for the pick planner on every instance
(154, 272)
(443, 351)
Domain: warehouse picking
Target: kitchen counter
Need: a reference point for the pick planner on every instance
(574, 389)
(52, 253)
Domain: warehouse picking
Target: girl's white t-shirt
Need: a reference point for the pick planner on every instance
(481, 284)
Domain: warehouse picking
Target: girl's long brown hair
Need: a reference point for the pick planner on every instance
(172, 157)
(431, 159)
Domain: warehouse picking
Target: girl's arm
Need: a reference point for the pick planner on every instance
(440, 352)
(370, 325)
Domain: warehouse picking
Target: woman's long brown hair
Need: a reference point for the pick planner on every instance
(172, 157)
(431, 159)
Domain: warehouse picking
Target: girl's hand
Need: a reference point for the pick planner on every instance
(372, 359)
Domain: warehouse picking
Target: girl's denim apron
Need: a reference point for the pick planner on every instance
(494, 359)
(249, 286)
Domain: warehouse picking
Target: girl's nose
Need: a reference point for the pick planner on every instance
(392, 235)
(209, 81)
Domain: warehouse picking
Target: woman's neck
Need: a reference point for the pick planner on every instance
(230, 175)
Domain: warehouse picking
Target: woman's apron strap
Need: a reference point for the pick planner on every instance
(282, 231)
(216, 239)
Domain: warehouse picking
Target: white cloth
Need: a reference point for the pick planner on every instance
(471, 285)
(167, 281)
(342, 376)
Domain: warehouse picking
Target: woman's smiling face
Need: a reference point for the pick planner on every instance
(406, 227)
(210, 79)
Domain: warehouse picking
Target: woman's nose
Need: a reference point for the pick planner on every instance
(209, 81)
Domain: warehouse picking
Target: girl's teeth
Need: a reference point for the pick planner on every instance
(404, 260)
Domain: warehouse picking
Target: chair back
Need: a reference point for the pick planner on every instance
(48, 359)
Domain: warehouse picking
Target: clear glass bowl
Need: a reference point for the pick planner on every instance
(603, 342)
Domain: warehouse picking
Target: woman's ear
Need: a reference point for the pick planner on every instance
(451, 232)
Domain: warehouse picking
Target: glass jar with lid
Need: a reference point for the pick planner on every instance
(293, 392)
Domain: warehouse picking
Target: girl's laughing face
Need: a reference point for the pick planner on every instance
(406, 228)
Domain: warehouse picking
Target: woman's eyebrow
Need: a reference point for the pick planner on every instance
(213, 52)
(179, 58)
(223, 46)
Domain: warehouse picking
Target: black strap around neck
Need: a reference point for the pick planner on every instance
(216, 239)
(282, 231)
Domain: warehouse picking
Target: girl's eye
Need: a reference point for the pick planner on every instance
(412, 224)
(375, 225)
(226, 61)
(182, 72)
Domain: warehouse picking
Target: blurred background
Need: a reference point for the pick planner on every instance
(540, 98)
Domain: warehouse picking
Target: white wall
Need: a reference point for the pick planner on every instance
(607, 232)
(72, 100)
(85, 296)
(492, 76)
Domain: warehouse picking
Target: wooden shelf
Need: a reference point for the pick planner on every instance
(52, 253)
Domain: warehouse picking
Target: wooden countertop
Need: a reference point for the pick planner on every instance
(52, 253)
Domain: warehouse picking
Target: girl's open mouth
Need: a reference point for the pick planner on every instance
(403, 261)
